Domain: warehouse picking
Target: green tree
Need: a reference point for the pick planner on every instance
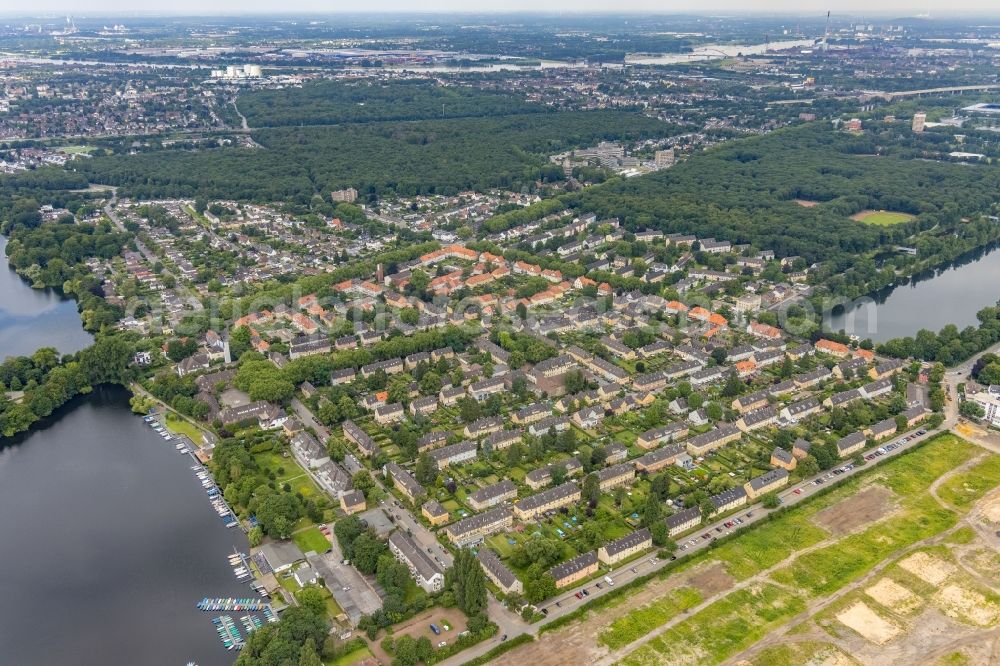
(969, 409)
(808, 466)
(312, 598)
(652, 511)
(367, 550)
(469, 409)
(427, 469)
(770, 500)
(591, 489)
(466, 580)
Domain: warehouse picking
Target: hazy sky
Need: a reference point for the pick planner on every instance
(859, 7)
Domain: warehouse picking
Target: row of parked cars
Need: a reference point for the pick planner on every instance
(729, 524)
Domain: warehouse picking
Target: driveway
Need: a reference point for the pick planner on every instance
(359, 599)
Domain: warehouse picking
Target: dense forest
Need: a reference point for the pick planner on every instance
(336, 102)
(746, 191)
(420, 157)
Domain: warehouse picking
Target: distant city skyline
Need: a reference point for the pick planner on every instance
(860, 8)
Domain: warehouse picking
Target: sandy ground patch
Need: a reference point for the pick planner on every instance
(873, 627)
(928, 568)
(711, 580)
(869, 505)
(805, 203)
(893, 596)
(962, 603)
(991, 510)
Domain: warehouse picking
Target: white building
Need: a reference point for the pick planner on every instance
(989, 400)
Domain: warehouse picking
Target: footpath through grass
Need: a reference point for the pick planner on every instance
(741, 618)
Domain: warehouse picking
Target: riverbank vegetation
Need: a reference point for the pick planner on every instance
(43, 382)
(949, 345)
(254, 486)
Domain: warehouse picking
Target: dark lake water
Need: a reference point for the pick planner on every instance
(108, 541)
(35, 318)
(949, 295)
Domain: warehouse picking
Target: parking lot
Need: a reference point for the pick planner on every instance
(349, 588)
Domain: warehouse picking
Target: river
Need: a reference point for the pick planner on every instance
(931, 300)
(35, 318)
(108, 542)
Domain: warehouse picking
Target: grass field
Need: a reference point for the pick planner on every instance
(180, 426)
(881, 218)
(351, 658)
(77, 150)
(722, 629)
(738, 620)
(805, 652)
(311, 539)
(639, 623)
(963, 489)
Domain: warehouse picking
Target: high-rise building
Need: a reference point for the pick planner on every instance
(919, 119)
(348, 195)
(665, 158)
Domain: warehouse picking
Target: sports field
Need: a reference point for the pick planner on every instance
(882, 218)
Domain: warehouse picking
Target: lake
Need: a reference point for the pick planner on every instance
(108, 542)
(949, 295)
(35, 318)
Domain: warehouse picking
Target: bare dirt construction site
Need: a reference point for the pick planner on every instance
(578, 644)
(872, 626)
(902, 567)
(937, 605)
(869, 505)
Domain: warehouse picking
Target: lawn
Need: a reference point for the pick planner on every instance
(311, 539)
(180, 426)
(881, 218)
(766, 545)
(351, 657)
(77, 150)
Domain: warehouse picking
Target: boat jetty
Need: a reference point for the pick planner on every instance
(228, 632)
(241, 567)
(251, 623)
(231, 604)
